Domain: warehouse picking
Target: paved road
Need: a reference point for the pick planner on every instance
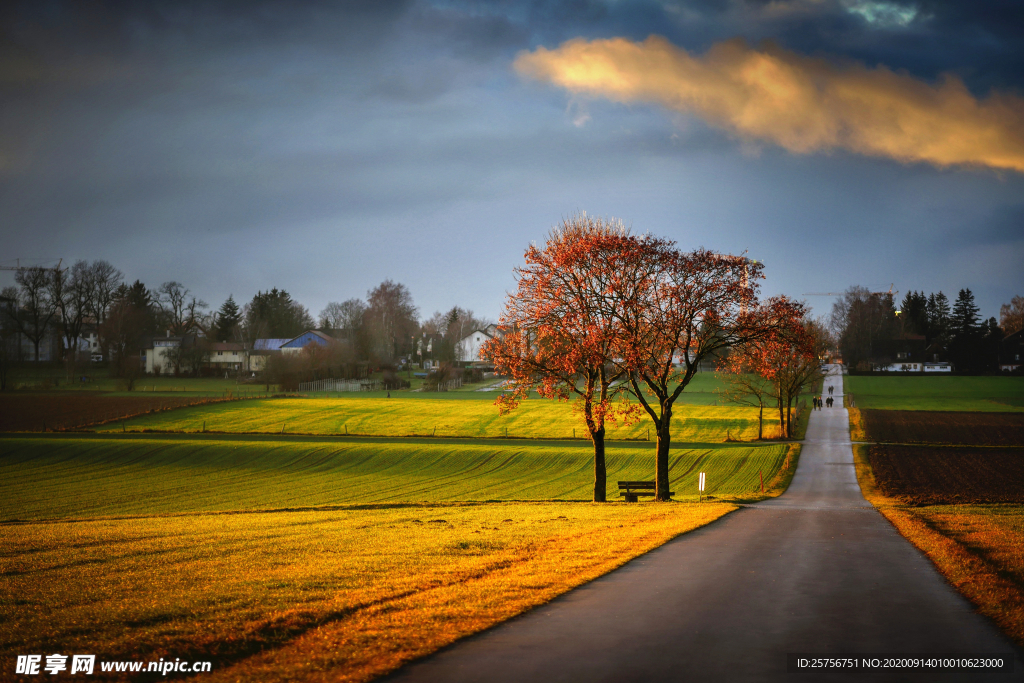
(816, 570)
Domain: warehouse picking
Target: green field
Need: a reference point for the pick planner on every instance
(84, 477)
(401, 416)
(283, 558)
(291, 557)
(985, 394)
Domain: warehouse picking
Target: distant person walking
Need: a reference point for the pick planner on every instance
(830, 387)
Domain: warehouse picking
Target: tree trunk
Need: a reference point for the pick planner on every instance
(600, 471)
(760, 421)
(783, 429)
(789, 417)
(661, 463)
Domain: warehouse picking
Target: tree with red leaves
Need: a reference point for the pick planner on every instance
(688, 308)
(560, 328)
(785, 361)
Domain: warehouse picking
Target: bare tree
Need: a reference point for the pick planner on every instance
(120, 333)
(392, 317)
(104, 279)
(8, 338)
(744, 386)
(1011, 315)
(70, 292)
(35, 308)
(347, 315)
(864, 323)
(184, 313)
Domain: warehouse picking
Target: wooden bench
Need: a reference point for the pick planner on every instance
(632, 489)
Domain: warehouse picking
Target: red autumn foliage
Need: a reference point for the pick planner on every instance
(559, 330)
(692, 308)
(598, 303)
(786, 360)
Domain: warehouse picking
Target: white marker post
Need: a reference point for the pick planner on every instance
(700, 487)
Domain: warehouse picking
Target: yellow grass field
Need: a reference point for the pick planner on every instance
(340, 594)
(534, 419)
(978, 548)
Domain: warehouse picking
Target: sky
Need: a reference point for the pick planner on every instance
(325, 147)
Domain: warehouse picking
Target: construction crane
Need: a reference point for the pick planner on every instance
(891, 292)
(18, 266)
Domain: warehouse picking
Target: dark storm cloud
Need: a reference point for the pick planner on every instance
(323, 147)
(980, 41)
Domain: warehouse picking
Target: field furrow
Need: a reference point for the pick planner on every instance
(534, 419)
(127, 476)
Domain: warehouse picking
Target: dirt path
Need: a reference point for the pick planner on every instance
(817, 570)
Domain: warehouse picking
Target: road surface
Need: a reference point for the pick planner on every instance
(816, 570)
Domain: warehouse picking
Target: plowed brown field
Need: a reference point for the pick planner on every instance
(924, 426)
(33, 412)
(922, 475)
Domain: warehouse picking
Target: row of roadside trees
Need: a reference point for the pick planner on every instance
(622, 322)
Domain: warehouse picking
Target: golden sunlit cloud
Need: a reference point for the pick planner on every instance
(803, 104)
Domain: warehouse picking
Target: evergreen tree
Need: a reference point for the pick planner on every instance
(275, 315)
(966, 345)
(228, 318)
(991, 341)
(938, 315)
(964, 320)
(140, 300)
(914, 313)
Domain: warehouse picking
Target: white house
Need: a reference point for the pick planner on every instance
(900, 367)
(296, 344)
(909, 366)
(155, 355)
(468, 348)
(261, 350)
(227, 356)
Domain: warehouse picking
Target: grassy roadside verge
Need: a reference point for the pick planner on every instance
(977, 548)
(784, 477)
(857, 431)
(334, 594)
